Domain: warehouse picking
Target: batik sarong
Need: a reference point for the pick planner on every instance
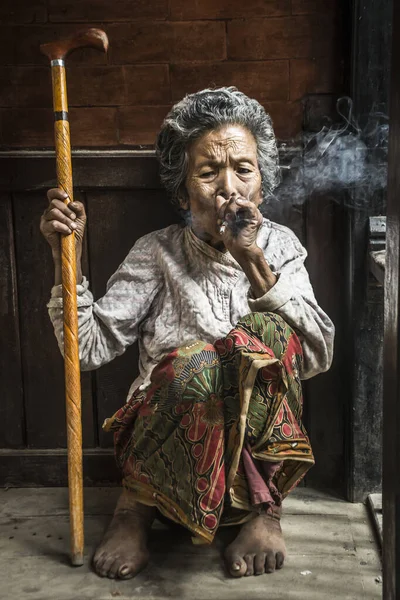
(183, 443)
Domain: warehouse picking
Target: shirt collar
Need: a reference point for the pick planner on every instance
(224, 258)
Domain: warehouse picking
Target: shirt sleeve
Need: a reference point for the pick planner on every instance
(107, 327)
(292, 297)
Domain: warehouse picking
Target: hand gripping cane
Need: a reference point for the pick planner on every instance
(57, 52)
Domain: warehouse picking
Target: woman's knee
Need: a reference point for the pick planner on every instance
(261, 320)
(186, 363)
(271, 329)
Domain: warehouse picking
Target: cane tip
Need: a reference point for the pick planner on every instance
(77, 559)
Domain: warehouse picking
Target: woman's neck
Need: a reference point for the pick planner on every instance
(208, 239)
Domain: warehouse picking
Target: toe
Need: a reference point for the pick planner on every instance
(280, 559)
(270, 562)
(259, 563)
(236, 565)
(98, 559)
(125, 571)
(98, 564)
(98, 555)
(106, 566)
(113, 570)
(249, 559)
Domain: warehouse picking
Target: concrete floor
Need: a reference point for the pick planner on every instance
(332, 554)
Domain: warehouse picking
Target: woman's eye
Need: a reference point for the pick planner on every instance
(207, 174)
(243, 170)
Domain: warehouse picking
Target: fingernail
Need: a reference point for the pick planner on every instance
(73, 226)
(235, 567)
(73, 216)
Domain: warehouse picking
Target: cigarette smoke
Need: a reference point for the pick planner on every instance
(344, 156)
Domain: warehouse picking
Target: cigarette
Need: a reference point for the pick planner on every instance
(223, 227)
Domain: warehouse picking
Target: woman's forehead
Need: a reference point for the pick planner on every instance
(232, 139)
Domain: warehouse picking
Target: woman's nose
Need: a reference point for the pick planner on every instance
(226, 184)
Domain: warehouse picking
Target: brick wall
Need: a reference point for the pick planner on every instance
(277, 51)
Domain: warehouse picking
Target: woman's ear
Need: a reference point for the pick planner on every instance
(184, 204)
(183, 199)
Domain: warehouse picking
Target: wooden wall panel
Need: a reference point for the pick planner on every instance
(273, 50)
(48, 467)
(328, 394)
(11, 399)
(125, 201)
(115, 221)
(370, 85)
(42, 363)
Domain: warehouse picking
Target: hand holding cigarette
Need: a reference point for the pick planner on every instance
(238, 214)
(239, 221)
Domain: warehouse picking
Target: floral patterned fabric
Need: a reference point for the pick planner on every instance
(180, 442)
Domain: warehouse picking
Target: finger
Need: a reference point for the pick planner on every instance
(58, 205)
(74, 210)
(56, 215)
(228, 205)
(227, 214)
(239, 209)
(236, 214)
(244, 208)
(221, 211)
(61, 208)
(56, 226)
(56, 193)
(78, 208)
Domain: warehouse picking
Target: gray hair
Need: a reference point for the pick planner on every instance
(206, 110)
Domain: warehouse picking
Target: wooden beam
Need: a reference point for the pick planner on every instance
(30, 170)
(48, 467)
(391, 383)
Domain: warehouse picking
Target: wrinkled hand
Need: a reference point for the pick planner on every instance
(60, 218)
(242, 220)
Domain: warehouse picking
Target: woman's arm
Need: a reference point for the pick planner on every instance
(107, 327)
(292, 297)
(279, 281)
(258, 272)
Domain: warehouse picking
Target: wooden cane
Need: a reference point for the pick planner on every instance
(57, 52)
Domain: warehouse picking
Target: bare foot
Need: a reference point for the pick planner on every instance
(123, 551)
(259, 548)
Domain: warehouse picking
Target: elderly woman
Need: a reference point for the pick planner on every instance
(227, 325)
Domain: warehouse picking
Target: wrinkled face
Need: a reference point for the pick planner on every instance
(222, 165)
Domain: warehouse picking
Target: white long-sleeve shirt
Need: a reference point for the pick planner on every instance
(173, 288)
